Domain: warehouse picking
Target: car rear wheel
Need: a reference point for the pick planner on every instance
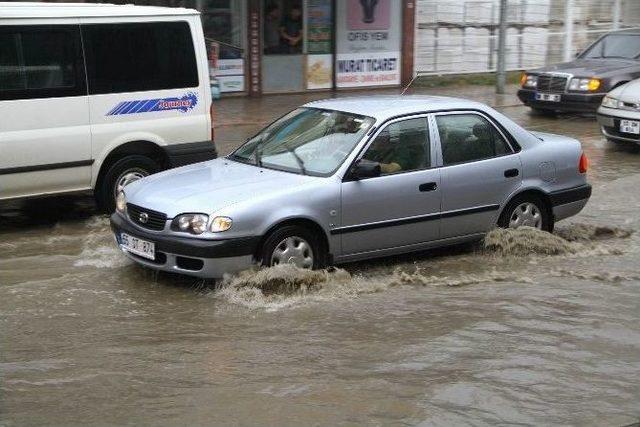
(294, 245)
(527, 211)
(123, 172)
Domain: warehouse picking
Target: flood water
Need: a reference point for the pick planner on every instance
(528, 328)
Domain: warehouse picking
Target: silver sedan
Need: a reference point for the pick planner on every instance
(348, 179)
(619, 114)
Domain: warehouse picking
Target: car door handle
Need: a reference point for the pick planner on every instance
(428, 186)
(510, 173)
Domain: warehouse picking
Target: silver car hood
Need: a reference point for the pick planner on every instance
(629, 92)
(209, 186)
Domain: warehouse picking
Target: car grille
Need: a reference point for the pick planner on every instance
(551, 83)
(154, 220)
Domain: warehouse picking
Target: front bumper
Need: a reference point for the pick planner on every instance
(609, 121)
(566, 203)
(569, 102)
(192, 152)
(187, 255)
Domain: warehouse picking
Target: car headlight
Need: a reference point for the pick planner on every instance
(610, 102)
(527, 80)
(191, 223)
(584, 85)
(220, 224)
(121, 202)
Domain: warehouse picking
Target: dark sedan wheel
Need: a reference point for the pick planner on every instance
(294, 245)
(527, 211)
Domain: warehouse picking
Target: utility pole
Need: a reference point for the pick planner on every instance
(568, 30)
(501, 77)
(616, 15)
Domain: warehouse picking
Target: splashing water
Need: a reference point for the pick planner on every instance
(286, 285)
(526, 241)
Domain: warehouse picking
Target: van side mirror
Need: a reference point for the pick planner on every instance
(365, 169)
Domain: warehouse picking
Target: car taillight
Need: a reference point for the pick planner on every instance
(583, 164)
(211, 115)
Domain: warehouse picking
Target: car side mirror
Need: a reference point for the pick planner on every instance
(365, 169)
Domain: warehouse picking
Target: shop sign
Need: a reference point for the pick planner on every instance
(231, 83)
(319, 71)
(369, 34)
(367, 69)
(230, 75)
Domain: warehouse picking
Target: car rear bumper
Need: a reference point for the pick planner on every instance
(195, 257)
(192, 152)
(610, 124)
(566, 203)
(570, 102)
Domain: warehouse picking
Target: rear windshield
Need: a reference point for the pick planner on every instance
(139, 57)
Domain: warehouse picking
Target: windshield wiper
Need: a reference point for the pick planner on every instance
(298, 159)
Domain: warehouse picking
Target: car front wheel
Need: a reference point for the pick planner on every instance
(294, 245)
(527, 211)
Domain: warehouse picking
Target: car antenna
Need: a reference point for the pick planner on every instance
(407, 86)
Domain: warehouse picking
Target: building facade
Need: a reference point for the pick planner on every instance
(278, 46)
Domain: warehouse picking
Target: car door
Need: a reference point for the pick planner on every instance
(45, 144)
(401, 206)
(480, 169)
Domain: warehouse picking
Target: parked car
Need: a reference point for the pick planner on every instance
(93, 97)
(619, 114)
(348, 179)
(580, 85)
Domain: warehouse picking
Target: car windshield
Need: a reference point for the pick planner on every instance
(309, 141)
(626, 46)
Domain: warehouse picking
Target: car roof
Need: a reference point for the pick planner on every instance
(634, 31)
(85, 10)
(383, 107)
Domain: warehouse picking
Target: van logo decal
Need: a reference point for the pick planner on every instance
(184, 104)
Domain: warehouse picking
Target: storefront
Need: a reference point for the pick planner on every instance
(326, 44)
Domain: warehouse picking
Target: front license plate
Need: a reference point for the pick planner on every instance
(137, 246)
(551, 97)
(630, 126)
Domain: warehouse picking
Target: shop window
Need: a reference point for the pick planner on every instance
(283, 27)
(223, 22)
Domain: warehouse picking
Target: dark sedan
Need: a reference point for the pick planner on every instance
(580, 85)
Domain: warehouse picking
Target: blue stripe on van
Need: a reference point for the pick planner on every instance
(183, 104)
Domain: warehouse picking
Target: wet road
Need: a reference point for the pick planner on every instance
(506, 334)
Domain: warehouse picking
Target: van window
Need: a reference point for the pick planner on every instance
(40, 62)
(139, 57)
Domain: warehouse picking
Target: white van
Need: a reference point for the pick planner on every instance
(94, 96)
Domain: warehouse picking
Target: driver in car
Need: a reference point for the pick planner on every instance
(392, 156)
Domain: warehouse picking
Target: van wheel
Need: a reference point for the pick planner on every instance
(123, 172)
(527, 210)
(295, 245)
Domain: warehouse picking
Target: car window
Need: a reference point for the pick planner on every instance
(139, 57)
(469, 137)
(401, 147)
(40, 62)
